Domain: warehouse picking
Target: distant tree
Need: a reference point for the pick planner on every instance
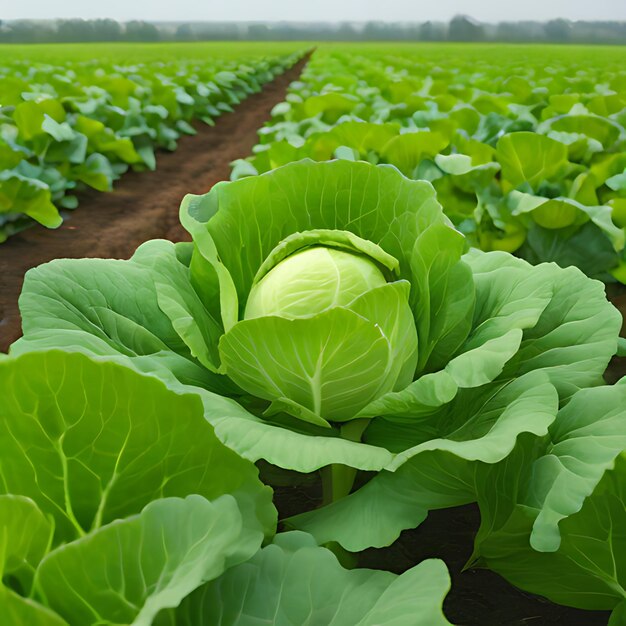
(284, 31)
(259, 32)
(558, 30)
(26, 31)
(217, 31)
(464, 28)
(184, 33)
(507, 31)
(346, 32)
(461, 28)
(374, 31)
(427, 32)
(141, 31)
(74, 30)
(107, 30)
(431, 31)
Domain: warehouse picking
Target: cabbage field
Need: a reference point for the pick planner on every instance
(526, 156)
(69, 123)
(376, 378)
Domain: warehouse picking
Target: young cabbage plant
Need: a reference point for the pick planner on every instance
(330, 318)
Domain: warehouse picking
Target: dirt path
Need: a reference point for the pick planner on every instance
(144, 205)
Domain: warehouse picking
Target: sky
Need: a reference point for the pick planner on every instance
(315, 10)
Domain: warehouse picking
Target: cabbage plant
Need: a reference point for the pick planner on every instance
(330, 318)
(119, 505)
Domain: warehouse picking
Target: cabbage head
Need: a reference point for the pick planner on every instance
(331, 318)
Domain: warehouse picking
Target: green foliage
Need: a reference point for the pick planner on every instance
(445, 365)
(82, 123)
(294, 582)
(524, 158)
(330, 316)
(119, 503)
(158, 565)
(96, 457)
(553, 518)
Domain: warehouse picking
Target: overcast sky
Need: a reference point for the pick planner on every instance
(315, 10)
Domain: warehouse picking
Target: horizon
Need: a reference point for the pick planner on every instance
(306, 22)
(486, 11)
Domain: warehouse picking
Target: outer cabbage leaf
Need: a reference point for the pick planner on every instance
(111, 308)
(362, 136)
(528, 157)
(125, 440)
(442, 295)
(605, 131)
(178, 300)
(477, 427)
(553, 513)
(586, 438)
(618, 616)
(588, 569)
(577, 332)
(587, 248)
(300, 447)
(129, 570)
(25, 536)
(294, 582)
(15, 609)
(301, 196)
(407, 151)
(557, 213)
(32, 197)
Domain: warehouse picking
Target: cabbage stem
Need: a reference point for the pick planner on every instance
(354, 429)
(338, 479)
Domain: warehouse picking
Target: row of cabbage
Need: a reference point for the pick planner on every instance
(81, 124)
(527, 155)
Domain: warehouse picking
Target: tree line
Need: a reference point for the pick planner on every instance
(460, 28)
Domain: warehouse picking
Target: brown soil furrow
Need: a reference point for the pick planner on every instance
(144, 205)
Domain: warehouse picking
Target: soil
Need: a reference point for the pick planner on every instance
(144, 205)
(478, 597)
